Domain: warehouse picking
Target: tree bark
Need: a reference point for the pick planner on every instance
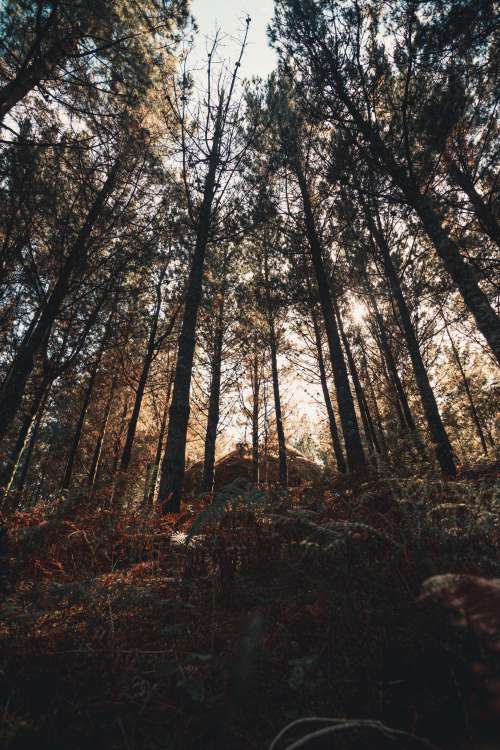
(159, 445)
(255, 416)
(484, 213)
(207, 483)
(174, 462)
(68, 471)
(334, 432)
(465, 380)
(387, 354)
(354, 448)
(37, 69)
(439, 437)
(14, 385)
(146, 366)
(463, 275)
(369, 429)
(22, 442)
(283, 467)
(96, 458)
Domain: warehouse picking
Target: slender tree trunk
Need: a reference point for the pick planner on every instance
(354, 448)
(68, 471)
(483, 211)
(334, 432)
(96, 458)
(255, 415)
(146, 366)
(174, 462)
(31, 445)
(369, 382)
(369, 430)
(214, 403)
(439, 437)
(13, 387)
(447, 249)
(159, 444)
(283, 467)
(385, 347)
(465, 380)
(27, 425)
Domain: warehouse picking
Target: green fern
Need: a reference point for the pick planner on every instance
(235, 496)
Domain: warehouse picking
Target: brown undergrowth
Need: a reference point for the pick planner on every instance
(217, 627)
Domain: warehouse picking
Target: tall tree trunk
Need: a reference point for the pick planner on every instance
(283, 467)
(334, 432)
(255, 415)
(146, 366)
(22, 442)
(96, 458)
(354, 448)
(174, 462)
(465, 380)
(159, 445)
(369, 429)
(14, 385)
(483, 212)
(207, 483)
(385, 347)
(31, 447)
(447, 249)
(439, 437)
(369, 383)
(70, 463)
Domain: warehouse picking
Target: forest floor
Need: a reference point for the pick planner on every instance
(119, 631)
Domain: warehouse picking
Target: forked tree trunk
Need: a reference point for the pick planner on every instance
(159, 444)
(353, 445)
(332, 422)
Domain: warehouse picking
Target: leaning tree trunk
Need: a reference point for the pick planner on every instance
(96, 457)
(465, 380)
(30, 449)
(13, 387)
(483, 211)
(386, 350)
(439, 437)
(174, 462)
(146, 366)
(447, 249)
(22, 442)
(39, 69)
(334, 432)
(353, 445)
(159, 444)
(207, 484)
